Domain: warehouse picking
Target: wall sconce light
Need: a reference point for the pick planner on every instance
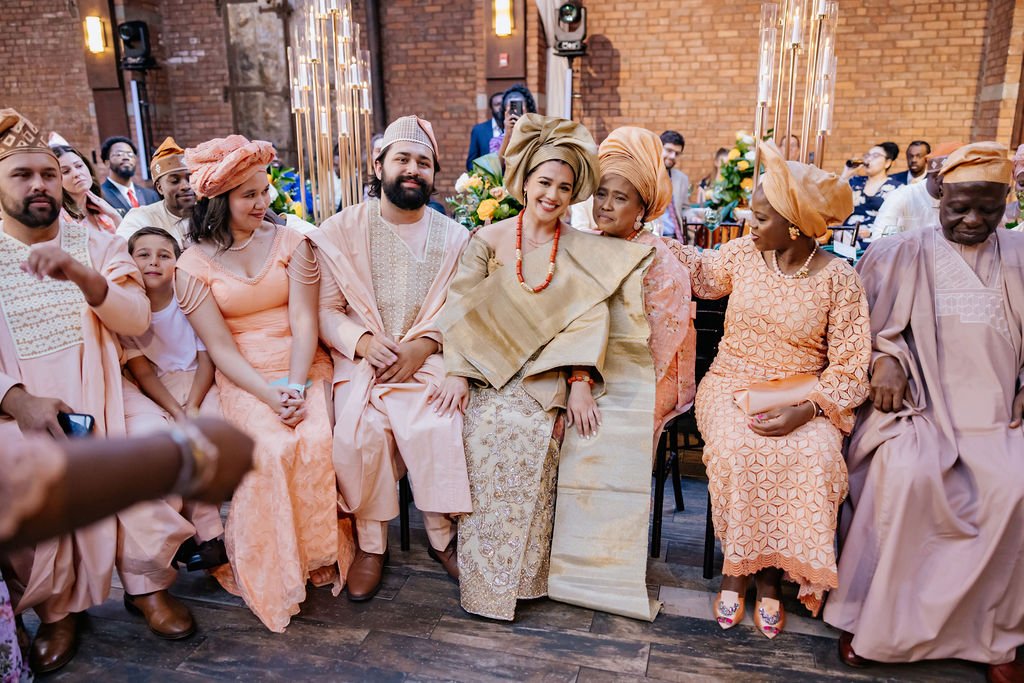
(502, 18)
(95, 38)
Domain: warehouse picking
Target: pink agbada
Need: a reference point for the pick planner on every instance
(55, 345)
(377, 422)
(670, 312)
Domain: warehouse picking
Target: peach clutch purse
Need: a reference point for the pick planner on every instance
(775, 393)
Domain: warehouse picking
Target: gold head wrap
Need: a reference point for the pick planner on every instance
(805, 195)
(635, 154)
(223, 164)
(168, 158)
(18, 134)
(1018, 162)
(978, 162)
(537, 139)
(410, 129)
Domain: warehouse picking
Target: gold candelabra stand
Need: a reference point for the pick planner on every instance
(790, 28)
(330, 79)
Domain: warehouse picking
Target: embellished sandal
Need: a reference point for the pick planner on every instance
(769, 617)
(728, 609)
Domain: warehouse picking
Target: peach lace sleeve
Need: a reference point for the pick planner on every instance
(303, 266)
(27, 471)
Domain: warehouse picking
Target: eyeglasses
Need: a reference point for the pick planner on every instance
(122, 155)
(872, 155)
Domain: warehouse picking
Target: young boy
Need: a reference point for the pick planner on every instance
(173, 377)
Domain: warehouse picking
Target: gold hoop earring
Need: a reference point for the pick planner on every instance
(794, 232)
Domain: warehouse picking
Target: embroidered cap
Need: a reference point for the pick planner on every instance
(18, 134)
(410, 129)
(168, 158)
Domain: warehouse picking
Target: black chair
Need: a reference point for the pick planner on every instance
(404, 500)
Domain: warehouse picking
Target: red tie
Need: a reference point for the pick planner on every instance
(131, 198)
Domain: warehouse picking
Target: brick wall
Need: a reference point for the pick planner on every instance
(434, 67)
(43, 76)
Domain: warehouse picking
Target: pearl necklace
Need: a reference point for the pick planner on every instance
(801, 273)
(244, 244)
(636, 233)
(519, 257)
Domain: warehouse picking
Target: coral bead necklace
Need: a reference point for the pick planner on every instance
(519, 257)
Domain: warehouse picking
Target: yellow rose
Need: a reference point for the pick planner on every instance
(747, 184)
(498, 193)
(475, 183)
(486, 209)
(743, 165)
(734, 154)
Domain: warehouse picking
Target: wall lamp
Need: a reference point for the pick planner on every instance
(502, 18)
(95, 38)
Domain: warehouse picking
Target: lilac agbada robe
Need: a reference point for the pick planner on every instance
(932, 562)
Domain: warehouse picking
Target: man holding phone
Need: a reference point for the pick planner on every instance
(64, 292)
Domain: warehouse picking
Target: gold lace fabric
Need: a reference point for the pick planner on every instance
(400, 279)
(43, 316)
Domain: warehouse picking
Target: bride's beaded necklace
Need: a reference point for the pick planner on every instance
(519, 257)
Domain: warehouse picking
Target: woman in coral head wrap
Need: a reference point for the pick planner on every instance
(544, 321)
(250, 289)
(777, 477)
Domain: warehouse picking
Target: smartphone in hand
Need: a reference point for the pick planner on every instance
(76, 425)
(515, 107)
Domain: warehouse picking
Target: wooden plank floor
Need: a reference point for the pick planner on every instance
(414, 630)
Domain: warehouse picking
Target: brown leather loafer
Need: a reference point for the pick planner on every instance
(449, 558)
(846, 654)
(54, 645)
(1011, 672)
(365, 574)
(166, 616)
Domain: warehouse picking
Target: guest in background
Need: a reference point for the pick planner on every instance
(79, 183)
(791, 150)
(869, 190)
(121, 158)
(912, 207)
(777, 478)
(917, 163)
(170, 177)
(521, 95)
(250, 289)
(721, 156)
(482, 134)
(672, 222)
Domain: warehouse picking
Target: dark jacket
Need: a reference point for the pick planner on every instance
(117, 200)
(479, 142)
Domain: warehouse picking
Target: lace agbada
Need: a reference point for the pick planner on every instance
(774, 499)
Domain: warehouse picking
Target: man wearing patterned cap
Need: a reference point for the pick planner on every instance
(386, 264)
(65, 291)
(170, 178)
(914, 205)
(933, 556)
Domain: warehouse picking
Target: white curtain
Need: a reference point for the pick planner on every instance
(556, 66)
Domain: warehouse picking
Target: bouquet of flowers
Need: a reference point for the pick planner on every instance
(480, 195)
(735, 180)
(283, 182)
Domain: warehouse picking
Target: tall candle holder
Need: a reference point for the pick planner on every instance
(788, 29)
(330, 77)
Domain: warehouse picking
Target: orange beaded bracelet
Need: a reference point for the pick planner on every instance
(582, 378)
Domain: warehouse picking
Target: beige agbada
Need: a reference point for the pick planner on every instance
(378, 427)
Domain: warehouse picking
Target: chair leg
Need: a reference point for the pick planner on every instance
(677, 483)
(404, 499)
(709, 545)
(659, 496)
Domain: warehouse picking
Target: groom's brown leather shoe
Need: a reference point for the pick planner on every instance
(365, 574)
(166, 616)
(54, 645)
(449, 557)
(1011, 672)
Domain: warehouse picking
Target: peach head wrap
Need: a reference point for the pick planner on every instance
(537, 139)
(805, 195)
(978, 162)
(635, 154)
(223, 164)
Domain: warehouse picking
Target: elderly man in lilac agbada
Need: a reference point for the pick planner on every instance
(932, 563)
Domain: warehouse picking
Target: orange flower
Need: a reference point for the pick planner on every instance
(486, 209)
(747, 184)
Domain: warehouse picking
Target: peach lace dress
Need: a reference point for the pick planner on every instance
(283, 521)
(774, 499)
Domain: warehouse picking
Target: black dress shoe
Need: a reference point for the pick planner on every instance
(205, 555)
(846, 654)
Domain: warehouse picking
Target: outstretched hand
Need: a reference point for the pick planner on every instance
(451, 396)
